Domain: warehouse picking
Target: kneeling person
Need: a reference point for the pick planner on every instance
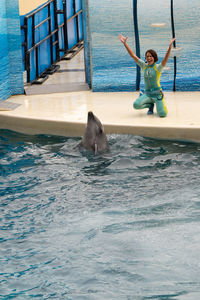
(152, 72)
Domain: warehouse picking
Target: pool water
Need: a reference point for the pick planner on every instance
(123, 225)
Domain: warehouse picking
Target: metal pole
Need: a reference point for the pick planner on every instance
(50, 30)
(65, 25)
(56, 28)
(174, 43)
(76, 20)
(137, 43)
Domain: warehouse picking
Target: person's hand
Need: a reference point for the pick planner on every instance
(122, 38)
(171, 42)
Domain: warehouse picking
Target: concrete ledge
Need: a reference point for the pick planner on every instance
(38, 126)
(66, 114)
(64, 128)
(179, 133)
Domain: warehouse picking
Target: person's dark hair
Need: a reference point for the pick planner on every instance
(153, 53)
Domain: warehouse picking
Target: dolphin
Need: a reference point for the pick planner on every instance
(94, 138)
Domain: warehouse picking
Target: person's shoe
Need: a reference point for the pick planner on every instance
(150, 111)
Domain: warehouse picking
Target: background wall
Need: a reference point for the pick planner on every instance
(187, 30)
(11, 74)
(111, 67)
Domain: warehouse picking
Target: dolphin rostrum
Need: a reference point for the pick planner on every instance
(94, 138)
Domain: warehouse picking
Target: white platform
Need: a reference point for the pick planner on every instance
(66, 113)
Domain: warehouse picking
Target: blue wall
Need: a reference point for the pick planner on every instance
(11, 73)
(112, 69)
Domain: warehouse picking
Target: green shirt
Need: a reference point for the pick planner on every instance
(151, 76)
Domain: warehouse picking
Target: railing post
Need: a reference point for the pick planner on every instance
(77, 23)
(173, 36)
(137, 43)
(49, 29)
(36, 49)
(56, 28)
(25, 28)
(65, 25)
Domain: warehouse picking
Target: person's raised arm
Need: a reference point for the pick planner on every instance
(129, 50)
(165, 59)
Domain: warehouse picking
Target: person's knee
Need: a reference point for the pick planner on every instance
(161, 109)
(136, 105)
(162, 114)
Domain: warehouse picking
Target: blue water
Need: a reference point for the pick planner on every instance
(125, 225)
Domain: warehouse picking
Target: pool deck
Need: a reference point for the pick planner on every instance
(66, 113)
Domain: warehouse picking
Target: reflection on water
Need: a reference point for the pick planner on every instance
(120, 226)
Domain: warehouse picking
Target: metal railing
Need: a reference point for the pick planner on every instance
(52, 38)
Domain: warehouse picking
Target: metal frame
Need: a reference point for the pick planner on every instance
(68, 53)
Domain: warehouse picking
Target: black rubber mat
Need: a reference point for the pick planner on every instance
(6, 105)
(55, 88)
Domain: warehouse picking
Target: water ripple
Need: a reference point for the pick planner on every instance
(120, 226)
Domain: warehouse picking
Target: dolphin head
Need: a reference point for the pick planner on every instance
(94, 138)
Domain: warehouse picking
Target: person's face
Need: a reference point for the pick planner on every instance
(149, 58)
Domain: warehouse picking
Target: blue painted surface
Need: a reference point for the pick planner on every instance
(11, 73)
(111, 67)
